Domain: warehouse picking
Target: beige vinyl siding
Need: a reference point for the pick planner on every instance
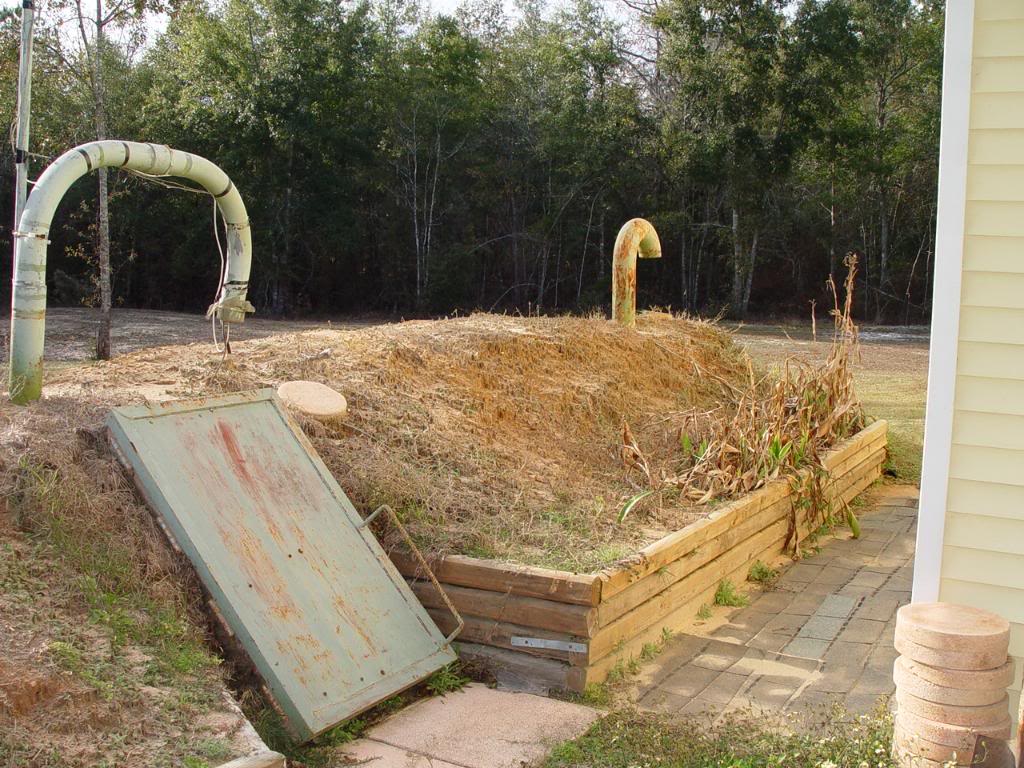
(983, 550)
(990, 360)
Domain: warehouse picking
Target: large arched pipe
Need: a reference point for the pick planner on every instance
(28, 298)
(637, 237)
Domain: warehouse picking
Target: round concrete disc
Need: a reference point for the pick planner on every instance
(945, 686)
(959, 737)
(314, 399)
(985, 715)
(983, 659)
(971, 680)
(950, 627)
(914, 751)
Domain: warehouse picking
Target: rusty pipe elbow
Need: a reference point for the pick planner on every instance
(636, 238)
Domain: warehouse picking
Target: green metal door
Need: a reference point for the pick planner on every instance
(328, 621)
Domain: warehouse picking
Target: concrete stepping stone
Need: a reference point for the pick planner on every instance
(954, 714)
(947, 686)
(959, 737)
(375, 754)
(314, 399)
(477, 727)
(914, 751)
(965, 660)
(949, 627)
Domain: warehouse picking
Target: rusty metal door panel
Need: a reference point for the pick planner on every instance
(328, 621)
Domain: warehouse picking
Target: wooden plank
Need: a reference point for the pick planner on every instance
(666, 550)
(677, 618)
(514, 609)
(499, 634)
(852, 445)
(671, 547)
(736, 559)
(838, 470)
(644, 615)
(869, 466)
(524, 580)
(518, 670)
(856, 467)
(683, 615)
(863, 482)
(653, 561)
(640, 591)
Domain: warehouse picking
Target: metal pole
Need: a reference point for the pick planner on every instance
(28, 299)
(637, 237)
(24, 109)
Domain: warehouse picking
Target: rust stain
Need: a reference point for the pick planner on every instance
(227, 436)
(355, 623)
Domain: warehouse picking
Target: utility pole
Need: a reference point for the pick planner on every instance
(24, 110)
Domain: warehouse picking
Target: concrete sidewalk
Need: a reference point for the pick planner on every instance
(477, 727)
(823, 634)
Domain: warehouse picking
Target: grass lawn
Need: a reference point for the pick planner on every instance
(631, 739)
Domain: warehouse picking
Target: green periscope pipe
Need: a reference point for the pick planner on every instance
(28, 298)
(637, 236)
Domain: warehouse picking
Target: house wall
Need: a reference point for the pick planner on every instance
(982, 551)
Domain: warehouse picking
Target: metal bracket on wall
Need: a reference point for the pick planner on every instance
(551, 645)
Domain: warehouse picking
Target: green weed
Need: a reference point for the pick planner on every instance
(762, 574)
(728, 595)
(447, 679)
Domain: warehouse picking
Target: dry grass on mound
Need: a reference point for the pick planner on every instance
(491, 435)
(567, 442)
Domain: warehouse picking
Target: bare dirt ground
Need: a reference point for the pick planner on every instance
(71, 332)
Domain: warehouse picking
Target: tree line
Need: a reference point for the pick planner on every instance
(395, 160)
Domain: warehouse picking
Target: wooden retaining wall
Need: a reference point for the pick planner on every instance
(539, 628)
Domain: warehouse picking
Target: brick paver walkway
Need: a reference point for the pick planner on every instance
(824, 632)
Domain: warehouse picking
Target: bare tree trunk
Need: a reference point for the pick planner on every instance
(542, 282)
(737, 265)
(883, 255)
(832, 261)
(282, 298)
(583, 255)
(684, 279)
(750, 275)
(103, 347)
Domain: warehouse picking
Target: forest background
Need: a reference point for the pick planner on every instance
(395, 160)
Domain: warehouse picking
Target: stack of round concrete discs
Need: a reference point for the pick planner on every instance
(951, 680)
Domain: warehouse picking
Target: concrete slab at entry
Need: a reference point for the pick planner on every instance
(477, 727)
